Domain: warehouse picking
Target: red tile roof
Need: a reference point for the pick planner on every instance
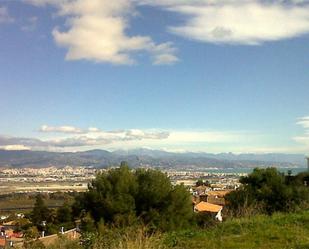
(207, 207)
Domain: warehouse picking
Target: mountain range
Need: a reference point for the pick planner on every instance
(147, 157)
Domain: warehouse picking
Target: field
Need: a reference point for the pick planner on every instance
(18, 187)
(23, 202)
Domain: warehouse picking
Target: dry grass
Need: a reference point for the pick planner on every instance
(131, 240)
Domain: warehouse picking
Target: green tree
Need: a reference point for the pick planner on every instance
(199, 183)
(31, 233)
(122, 197)
(269, 190)
(110, 196)
(64, 213)
(160, 204)
(22, 224)
(40, 212)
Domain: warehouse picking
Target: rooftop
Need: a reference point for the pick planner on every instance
(207, 207)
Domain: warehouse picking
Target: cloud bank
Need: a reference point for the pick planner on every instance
(71, 138)
(79, 138)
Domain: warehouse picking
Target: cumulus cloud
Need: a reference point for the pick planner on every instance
(249, 22)
(96, 30)
(5, 16)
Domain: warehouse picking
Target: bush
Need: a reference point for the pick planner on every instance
(205, 220)
(268, 191)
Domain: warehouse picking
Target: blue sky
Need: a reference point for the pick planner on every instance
(176, 75)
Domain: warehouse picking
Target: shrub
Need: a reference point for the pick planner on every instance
(268, 191)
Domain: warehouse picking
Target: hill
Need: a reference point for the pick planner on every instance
(280, 231)
(145, 157)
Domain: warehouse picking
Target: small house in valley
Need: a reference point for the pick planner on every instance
(205, 207)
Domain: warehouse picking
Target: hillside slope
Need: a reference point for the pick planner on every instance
(143, 157)
(280, 231)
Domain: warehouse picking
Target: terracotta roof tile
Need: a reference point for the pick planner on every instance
(207, 207)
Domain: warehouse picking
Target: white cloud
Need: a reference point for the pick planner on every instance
(248, 22)
(93, 129)
(206, 141)
(94, 137)
(164, 54)
(5, 16)
(177, 140)
(78, 137)
(96, 30)
(304, 122)
(165, 59)
(303, 139)
(15, 147)
(61, 129)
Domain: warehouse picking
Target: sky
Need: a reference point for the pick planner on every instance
(175, 75)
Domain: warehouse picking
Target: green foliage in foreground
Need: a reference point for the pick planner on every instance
(122, 198)
(268, 191)
(279, 231)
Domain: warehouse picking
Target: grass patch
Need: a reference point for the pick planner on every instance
(279, 231)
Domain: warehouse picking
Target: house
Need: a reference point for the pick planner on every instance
(216, 197)
(200, 190)
(209, 208)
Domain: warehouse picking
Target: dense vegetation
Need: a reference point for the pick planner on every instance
(123, 198)
(278, 231)
(268, 191)
(21, 202)
(142, 209)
